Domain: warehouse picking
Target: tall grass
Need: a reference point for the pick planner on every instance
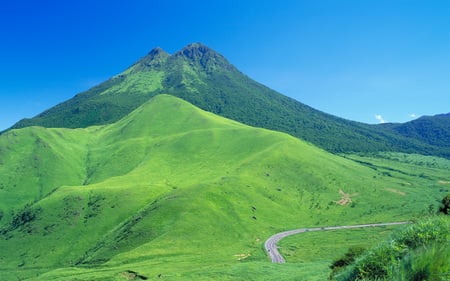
(418, 252)
(425, 263)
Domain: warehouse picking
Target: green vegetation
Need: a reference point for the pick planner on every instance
(444, 208)
(206, 79)
(419, 252)
(434, 130)
(327, 245)
(175, 192)
(321, 249)
(348, 258)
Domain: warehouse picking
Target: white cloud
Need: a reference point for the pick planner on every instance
(380, 118)
(412, 115)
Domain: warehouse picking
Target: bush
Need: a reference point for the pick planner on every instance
(24, 217)
(445, 205)
(347, 259)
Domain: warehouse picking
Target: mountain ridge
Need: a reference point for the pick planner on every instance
(206, 79)
(433, 130)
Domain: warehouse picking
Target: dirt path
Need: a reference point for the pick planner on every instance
(271, 243)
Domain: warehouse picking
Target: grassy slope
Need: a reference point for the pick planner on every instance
(420, 251)
(173, 190)
(319, 249)
(206, 79)
(35, 162)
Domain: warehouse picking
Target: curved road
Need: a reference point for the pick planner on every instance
(271, 243)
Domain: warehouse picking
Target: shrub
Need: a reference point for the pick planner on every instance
(24, 217)
(348, 258)
(445, 205)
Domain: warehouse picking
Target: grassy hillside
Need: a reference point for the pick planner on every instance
(418, 252)
(176, 192)
(320, 249)
(206, 79)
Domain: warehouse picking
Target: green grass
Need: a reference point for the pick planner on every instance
(174, 190)
(420, 251)
(315, 246)
(323, 247)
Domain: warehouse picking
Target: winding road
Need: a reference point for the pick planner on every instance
(271, 243)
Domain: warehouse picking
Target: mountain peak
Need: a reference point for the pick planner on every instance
(154, 58)
(195, 49)
(157, 52)
(206, 57)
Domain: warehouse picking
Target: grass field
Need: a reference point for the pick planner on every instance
(176, 192)
(321, 248)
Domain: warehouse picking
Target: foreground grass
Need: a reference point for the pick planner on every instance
(418, 252)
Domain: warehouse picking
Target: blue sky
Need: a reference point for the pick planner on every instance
(368, 61)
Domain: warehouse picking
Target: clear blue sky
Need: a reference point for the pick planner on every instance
(354, 59)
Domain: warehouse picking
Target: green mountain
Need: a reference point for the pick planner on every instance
(433, 130)
(171, 191)
(206, 79)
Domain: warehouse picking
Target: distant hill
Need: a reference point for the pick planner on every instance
(171, 191)
(206, 79)
(433, 130)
